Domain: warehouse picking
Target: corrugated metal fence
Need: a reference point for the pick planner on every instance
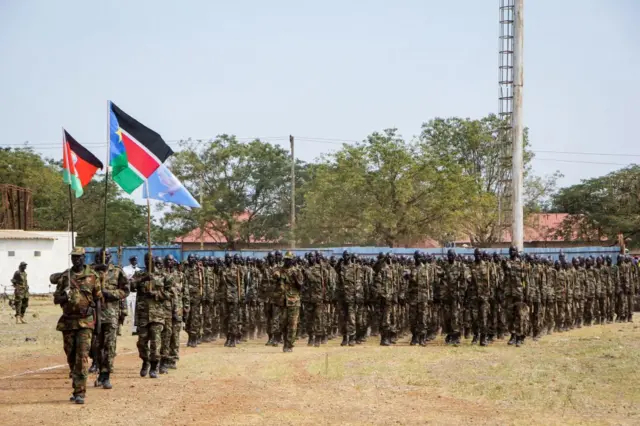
(126, 252)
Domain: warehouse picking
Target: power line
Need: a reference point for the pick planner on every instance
(582, 162)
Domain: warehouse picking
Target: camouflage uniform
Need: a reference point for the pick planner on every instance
(156, 295)
(550, 299)
(534, 298)
(606, 312)
(419, 292)
(20, 293)
(252, 283)
(179, 308)
(208, 304)
(231, 282)
(77, 293)
(194, 276)
(115, 288)
(570, 318)
(579, 285)
(591, 280)
(291, 280)
(453, 288)
(315, 289)
(481, 296)
(270, 296)
(351, 299)
(516, 293)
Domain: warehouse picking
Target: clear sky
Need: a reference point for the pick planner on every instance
(318, 69)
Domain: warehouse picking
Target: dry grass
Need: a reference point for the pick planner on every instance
(587, 376)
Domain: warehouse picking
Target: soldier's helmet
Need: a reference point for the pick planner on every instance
(77, 251)
(157, 259)
(289, 255)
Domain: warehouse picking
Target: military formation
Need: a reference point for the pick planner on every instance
(283, 298)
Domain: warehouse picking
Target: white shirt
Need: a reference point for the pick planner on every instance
(129, 270)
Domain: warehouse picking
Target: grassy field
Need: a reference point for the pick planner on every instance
(587, 376)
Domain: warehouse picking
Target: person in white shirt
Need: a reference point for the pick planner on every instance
(129, 272)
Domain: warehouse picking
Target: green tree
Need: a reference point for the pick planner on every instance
(602, 207)
(245, 189)
(476, 146)
(383, 191)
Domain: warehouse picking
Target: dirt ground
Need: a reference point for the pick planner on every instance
(587, 376)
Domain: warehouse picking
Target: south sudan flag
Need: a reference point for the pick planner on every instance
(78, 164)
(136, 151)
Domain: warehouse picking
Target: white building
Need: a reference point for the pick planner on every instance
(45, 252)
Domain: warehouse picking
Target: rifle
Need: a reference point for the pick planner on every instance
(95, 343)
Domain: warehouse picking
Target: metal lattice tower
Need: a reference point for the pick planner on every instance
(505, 134)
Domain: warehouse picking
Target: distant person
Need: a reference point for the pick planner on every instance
(129, 271)
(20, 292)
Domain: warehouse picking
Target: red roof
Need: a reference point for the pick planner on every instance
(212, 234)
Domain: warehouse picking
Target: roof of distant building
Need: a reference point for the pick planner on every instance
(18, 234)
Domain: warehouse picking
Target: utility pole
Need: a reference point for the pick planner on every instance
(293, 195)
(517, 225)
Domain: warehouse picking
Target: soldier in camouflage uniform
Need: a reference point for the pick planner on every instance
(516, 298)
(231, 282)
(194, 275)
(315, 287)
(534, 297)
(570, 309)
(351, 299)
(384, 292)
(155, 289)
(579, 278)
(252, 286)
(591, 280)
(115, 288)
(290, 278)
(20, 292)
(481, 296)
(453, 288)
(419, 292)
(179, 308)
(208, 300)
(551, 308)
(609, 280)
(78, 292)
(560, 290)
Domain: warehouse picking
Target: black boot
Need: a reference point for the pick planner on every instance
(345, 340)
(145, 369)
(270, 341)
(192, 341)
(317, 342)
(384, 339)
(519, 341)
(94, 367)
(153, 372)
(276, 340)
(393, 338)
(106, 383)
(171, 365)
(483, 340)
(414, 339)
(467, 333)
(490, 338)
(456, 339)
(324, 340)
(352, 340)
(163, 367)
(475, 339)
(226, 343)
(232, 341)
(99, 380)
(311, 340)
(512, 340)
(422, 341)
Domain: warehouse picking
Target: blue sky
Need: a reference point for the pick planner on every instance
(330, 69)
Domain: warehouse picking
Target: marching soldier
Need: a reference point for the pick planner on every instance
(20, 292)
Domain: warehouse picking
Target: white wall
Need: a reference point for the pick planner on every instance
(54, 257)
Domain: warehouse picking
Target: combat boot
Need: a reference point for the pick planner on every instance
(287, 348)
(317, 341)
(171, 365)
(17, 319)
(198, 341)
(22, 319)
(106, 383)
(270, 340)
(324, 340)
(422, 341)
(512, 339)
(384, 339)
(447, 339)
(475, 339)
(94, 367)
(145, 369)
(163, 367)
(153, 372)
(79, 400)
(226, 343)
(456, 339)
(490, 338)
(311, 340)
(414, 339)
(352, 340)
(467, 332)
(99, 381)
(483, 340)
(345, 340)
(393, 338)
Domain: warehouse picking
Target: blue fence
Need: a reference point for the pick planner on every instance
(179, 254)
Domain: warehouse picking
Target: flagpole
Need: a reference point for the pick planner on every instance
(66, 157)
(106, 179)
(146, 187)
